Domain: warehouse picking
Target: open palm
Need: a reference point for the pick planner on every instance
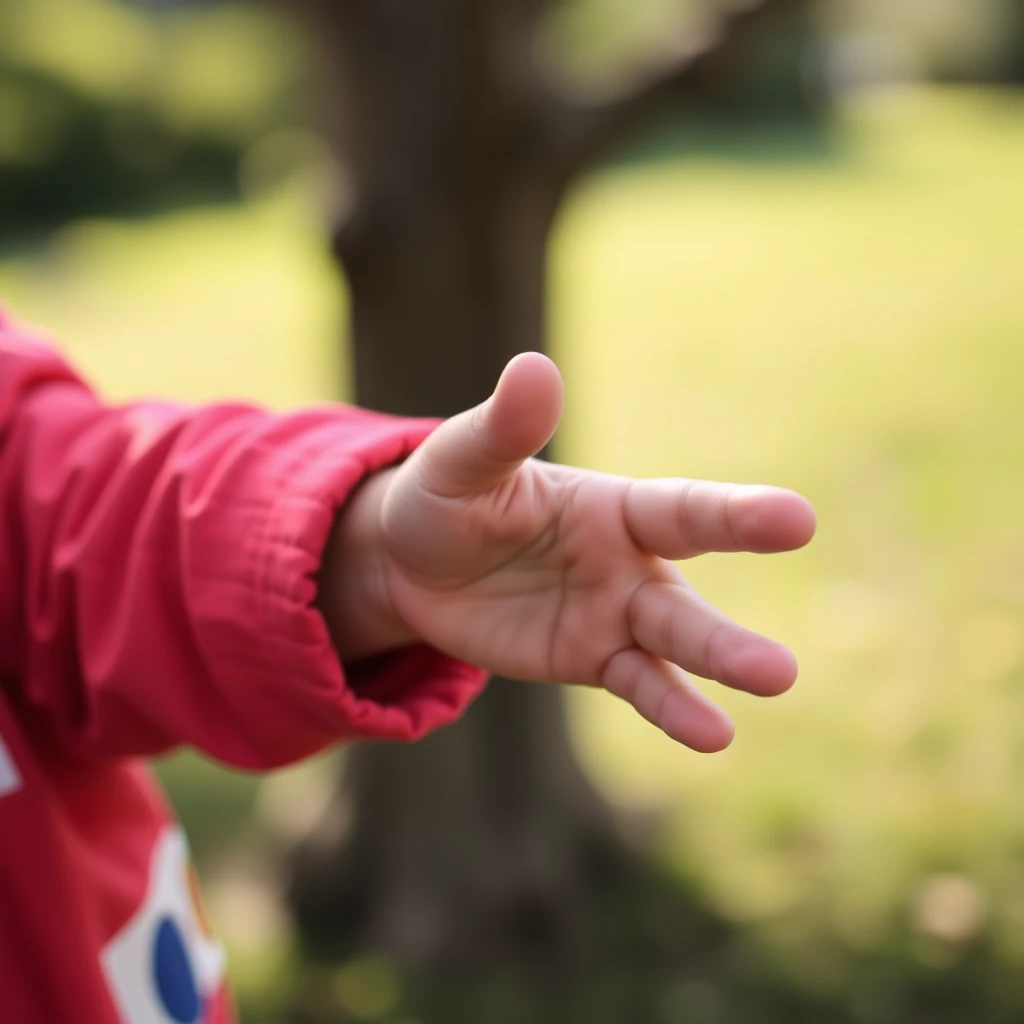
(544, 572)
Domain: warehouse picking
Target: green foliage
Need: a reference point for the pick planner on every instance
(105, 109)
(588, 41)
(849, 325)
(601, 45)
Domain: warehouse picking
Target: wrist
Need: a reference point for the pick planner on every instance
(353, 593)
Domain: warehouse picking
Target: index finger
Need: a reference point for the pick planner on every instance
(681, 518)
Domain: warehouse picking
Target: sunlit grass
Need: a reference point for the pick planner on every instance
(219, 302)
(851, 327)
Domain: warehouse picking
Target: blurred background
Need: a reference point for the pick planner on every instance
(796, 257)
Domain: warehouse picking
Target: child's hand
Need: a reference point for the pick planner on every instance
(543, 572)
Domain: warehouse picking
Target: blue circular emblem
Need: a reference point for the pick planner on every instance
(172, 974)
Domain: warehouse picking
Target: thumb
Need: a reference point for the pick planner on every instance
(478, 449)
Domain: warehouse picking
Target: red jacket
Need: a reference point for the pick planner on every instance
(157, 575)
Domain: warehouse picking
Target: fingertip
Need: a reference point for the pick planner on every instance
(532, 358)
(762, 667)
(785, 670)
(805, 520)
(774, 519)
(715, 740)
(530, 369)
(698, 724)
(526, 406)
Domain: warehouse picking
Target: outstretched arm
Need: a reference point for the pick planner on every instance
(545, 572)
(157, 569)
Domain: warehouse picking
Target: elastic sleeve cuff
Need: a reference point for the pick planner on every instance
(399, 695)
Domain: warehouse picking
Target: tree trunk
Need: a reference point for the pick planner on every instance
(474, 846)
(478, 846)
(442, 299)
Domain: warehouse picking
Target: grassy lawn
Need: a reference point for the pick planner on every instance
(851, 326)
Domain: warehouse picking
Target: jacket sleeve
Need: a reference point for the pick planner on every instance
(158, 574)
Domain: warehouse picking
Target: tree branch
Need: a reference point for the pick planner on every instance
(578, 133)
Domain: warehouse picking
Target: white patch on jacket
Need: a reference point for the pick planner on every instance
(163, 967)
(10, 780)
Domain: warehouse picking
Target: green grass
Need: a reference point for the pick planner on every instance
(852, 327)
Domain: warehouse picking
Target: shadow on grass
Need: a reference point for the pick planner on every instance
(739, 139)
(658, 954)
